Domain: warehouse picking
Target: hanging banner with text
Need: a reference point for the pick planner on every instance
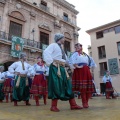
(17, 46)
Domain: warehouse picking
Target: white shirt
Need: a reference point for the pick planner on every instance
(17, 67)
(43, 68)
(53, 52)
(39, 68)
(107, 79)
(76, 58)
(8, 74)
(2, 76)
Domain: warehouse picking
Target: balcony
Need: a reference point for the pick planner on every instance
(45, 8)
(27, 42)
(66, 19)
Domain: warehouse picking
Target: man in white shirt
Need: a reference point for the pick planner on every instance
(21, 88)
(59, 85)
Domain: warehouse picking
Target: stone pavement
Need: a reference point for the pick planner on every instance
(100, 109)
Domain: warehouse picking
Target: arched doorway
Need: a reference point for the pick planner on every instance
(7, 64)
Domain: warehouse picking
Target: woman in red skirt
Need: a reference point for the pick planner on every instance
(109, 88)
(39, 84)
(82, 79)
(7, 89)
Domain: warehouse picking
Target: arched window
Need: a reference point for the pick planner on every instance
(16, 24)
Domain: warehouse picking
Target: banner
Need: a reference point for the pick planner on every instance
(17, 46)
(113, 66)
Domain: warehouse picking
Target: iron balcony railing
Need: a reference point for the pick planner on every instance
(5, 36)
(66, 19)
(45, 8)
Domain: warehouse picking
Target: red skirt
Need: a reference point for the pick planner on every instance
(109, 87)
(7, 86)
(82, 80)
(39, 85)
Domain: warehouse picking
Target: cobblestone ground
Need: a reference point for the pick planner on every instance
(100, 109)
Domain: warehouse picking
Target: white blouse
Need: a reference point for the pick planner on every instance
(107, 79)
(17, 67)
(39, 68)
(76, 59)
(53, 52)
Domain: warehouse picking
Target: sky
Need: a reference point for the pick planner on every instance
(94, 13)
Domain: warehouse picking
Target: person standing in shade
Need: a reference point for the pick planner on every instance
(39, 84)
(21, 87)
(107, 79)
(82, 78)
(59, 84)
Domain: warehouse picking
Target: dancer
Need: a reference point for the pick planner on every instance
(2, 79)
(7, 89)
(82, 79)
(107, 79)
(21, 88)
(59, 84)
(39, 84)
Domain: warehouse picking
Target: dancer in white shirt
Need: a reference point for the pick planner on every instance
(39, 84)
(107, 79)
(59, 84)
(2, 79)
(21, 88)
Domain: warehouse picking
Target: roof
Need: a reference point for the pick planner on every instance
(103, 26)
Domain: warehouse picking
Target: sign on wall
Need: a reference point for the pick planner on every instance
(113, 66)
(17, 46)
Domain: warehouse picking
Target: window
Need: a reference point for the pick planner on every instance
(103, 68)
(101, 52)
(117, 29)
(44, 3)
(67, 46)
(108, 30)
(43, 6)
(118, 46)
(65, 17)
(99, 34)
(44, 39)
(111, 29)
(15, 29)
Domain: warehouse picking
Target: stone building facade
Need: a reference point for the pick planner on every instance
(36, 21)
